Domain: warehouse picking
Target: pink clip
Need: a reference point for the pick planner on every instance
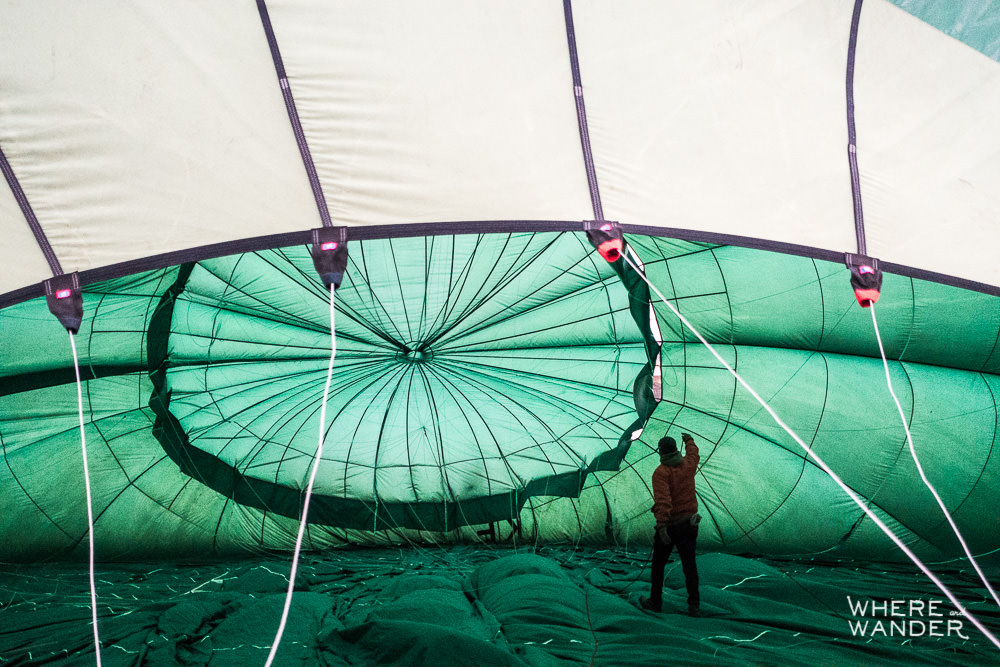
(329, 245)
(64, 294)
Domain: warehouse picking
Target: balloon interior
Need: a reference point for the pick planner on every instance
(388, 305)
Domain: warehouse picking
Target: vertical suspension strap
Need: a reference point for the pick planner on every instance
(866, 276)
(581, 113)
(293, 115)
(852, 139)
(29, 215)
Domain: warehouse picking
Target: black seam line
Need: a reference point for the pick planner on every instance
(302, 410)
(134, 483)
(581, 112)
(726, 509)
(515, 479)
(505, 453)
(989, 358)
(375, 232)
(374, 322)
(684, 343)
(811, 461)
(812, 441)
(452, 345)
(402, 297)
(294, 404)
(852, 140)
(439, 436)
(28, 494)
(474, 302)
(456, 292)
(293, 115)
(508, 375)
(383, 381)
(475, 375)
(379, 442)
(29, 215)
(515, 270)
(303, 395)
(422, 320)
(986, 461)
(822, 310)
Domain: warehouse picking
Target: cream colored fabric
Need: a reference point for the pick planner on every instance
(142, 128)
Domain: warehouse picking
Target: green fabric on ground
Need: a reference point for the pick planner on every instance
(482, 606)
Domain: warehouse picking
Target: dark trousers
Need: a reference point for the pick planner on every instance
(682, 535)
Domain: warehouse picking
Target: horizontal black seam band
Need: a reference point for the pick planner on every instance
(374, 232)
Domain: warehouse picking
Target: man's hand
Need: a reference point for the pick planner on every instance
(686, 436)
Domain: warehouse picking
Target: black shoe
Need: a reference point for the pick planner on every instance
(694, 610)
(649, 605)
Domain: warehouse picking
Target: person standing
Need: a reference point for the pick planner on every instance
(675, 506)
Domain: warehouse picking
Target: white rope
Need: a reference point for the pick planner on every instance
(822, 464)
(920, 468)
(90, 511)
(309, 486)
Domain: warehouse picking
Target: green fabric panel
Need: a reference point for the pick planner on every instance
(36, 350)
(791, 327)
(472, 372)
(516, 426)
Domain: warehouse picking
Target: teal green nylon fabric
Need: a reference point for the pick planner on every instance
(973, 22)
(490, 605)
(498, 387)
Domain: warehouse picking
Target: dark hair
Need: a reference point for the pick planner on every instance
(667, 445)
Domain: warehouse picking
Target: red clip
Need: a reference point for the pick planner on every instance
(611, 250)
(866, 278)
(606, 237)
(866, 297)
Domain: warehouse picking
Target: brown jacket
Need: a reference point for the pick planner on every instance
(674, 498)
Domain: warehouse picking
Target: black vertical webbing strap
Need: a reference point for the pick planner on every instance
(293, 116)
(852, 140)
(29, 215)
(581, 113)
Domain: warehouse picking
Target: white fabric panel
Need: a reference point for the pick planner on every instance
(731, 117)
(721, 116)
(928, 118)
(438, 110)
(141, 128)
